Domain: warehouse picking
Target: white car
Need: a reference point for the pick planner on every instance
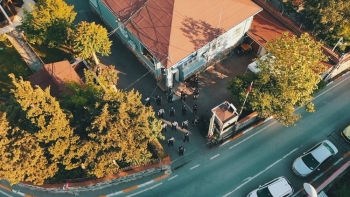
(278, 187)
(313, 158)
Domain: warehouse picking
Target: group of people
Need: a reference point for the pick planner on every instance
(174, 124)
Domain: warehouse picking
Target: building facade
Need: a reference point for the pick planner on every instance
(174, 39)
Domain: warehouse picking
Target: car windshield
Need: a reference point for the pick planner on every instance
(310, 161)
(329, 148)
(264, 192)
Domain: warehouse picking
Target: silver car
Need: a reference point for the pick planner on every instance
(278, 187)
(313, 158)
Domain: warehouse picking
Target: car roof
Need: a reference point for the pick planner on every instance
(346, 131)
(322, 152)
(280, 187)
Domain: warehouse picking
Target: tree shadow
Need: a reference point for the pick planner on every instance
(199, 32)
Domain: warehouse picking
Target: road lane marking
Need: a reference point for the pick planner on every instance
(5, 193)
(252, 135)
(270, 166)
(247, 179)
(172, 177)
(194, 167)
(214, 156)
(337, 161)
(134, 194)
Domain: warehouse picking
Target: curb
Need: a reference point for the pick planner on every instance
(240, 134)
(15, 191)
(136, 186)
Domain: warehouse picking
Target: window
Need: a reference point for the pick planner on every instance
(237, 32)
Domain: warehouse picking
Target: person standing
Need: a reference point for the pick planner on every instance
(161, 113)
(196, 82)
(195, 122)
(148, 101)
(195, 109)
(171, 141)
(183, 110)
(172, 111)
(174, 125)
(170, 97)
(181, 150)
(187, 137)
(184, 124)
(164, 126)
(183, 96)
(195, 94)
(158, 100)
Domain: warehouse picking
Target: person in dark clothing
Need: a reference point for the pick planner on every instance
(183, 110)
(195, 122)
(148, 101)
(171, 141)
(184, 124)
(181, 150)
(174, 125)
(182, 96)
(161, 113)
(196, 82)
(172, 111)
(170, 97)
(158, 100)
(195, 109)
(187, 137)
(195, 94)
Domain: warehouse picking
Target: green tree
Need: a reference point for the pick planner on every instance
(48, 23)
(88, 39)
(288, 77)
(329, 20)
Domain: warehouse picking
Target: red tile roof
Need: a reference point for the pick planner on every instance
(265, 28)
(173, 29)
(55, 75)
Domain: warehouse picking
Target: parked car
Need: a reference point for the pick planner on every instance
(346, 133)
(313, 158)
(278, 187)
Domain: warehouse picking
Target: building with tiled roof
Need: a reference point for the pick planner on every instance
(55, 75)
(176, 38)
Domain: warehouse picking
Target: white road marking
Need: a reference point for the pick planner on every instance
(270, 166)
(5, 193)
(194, 167)
(134, 194)
(252, 135)
(225, 142)
(172, 177)
(114, 194)
(338, 161)
(340, 82)
(247, 179)
(296, 194)
(214, 156)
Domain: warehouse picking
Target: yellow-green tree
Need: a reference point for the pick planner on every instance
(38, 127)
(289, 76)
(48, 23)
(87, 39)
(120, 131)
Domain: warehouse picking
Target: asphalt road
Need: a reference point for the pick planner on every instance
(267, 152)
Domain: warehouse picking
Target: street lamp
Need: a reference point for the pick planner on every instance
(310, 190)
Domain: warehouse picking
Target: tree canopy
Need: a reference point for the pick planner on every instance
(288, 76)
(329, 20)
(97, 129)
(48, 23)
(90, 38)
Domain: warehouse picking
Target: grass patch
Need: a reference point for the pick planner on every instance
(10, 62)
(50, 55)
(341, 188)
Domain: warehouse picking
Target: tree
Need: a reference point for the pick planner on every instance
(37, 136)
(289, 75)
(329, 20)
(48, 23)
(89, 38)
(117, 131)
